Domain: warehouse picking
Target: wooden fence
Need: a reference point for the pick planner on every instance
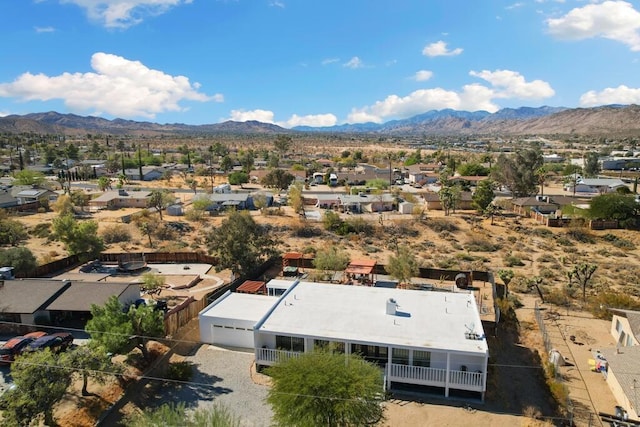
(181, 314)
(160, 257)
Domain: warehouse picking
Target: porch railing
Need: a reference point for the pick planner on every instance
(463, 380)
(267, 356)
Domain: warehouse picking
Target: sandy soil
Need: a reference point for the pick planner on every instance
(513, 393)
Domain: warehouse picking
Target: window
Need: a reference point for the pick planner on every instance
(289, 343)
(629, 341)
(618, 325)
(400, 356)
(421, 358)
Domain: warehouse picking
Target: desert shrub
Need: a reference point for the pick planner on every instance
(513, 261)
(116, 233)
(481, 244)
(600, 304)
(520, 284)
(360, 225)
(619, 242)
(546, 258)
(371, 249)
(42, 230)
(563, 241)
(306, 230)
(273, 211)
(446, 263)
(456, 246)
(309, 250)
(542, 232)
(556, 296)
(462, 256)
(548, 273)
(166, 233)
(440, 224)
(181, 371)
(581, 235)
(512, 239)
(194, 215)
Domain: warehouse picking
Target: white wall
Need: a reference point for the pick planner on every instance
(226, 332)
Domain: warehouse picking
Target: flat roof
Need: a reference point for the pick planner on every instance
(240, 306)
(424, 319)
(280, 284)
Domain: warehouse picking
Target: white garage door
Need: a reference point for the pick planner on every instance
(232, 337)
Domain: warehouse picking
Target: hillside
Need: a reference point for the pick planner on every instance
(606, 120)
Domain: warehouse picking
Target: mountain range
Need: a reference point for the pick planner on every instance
(605, 120)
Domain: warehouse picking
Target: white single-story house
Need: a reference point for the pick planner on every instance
(149, 173)
(419, 338)
(596, 185)
(625, 327)
(623, 377)
(115, 199)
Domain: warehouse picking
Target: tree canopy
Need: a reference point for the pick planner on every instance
(517, 172)
(118, 329)
(79, 238)
(403, 265)
(614, 206)
(323, 388)
(240, 244)
(278, 178)
(160, 199)
(40, 383)
(20, 258)
(483, 196)
(330, 258)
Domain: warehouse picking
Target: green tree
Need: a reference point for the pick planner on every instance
(247, 160)
(403, 265)
(104, 183)
(323, 388)
(518, 172)
(89, 361)
(147, 229)
(226, 164)
(483, 196)
(63, 205)
(506, 276)
(117, 329)
(12, 232)
(152, 282)
(79, 238)
(614, 206)
(177, 415)
(21, 259)
(278, 178)
(240, 243)
(295, 199)
(331, 258)
(591, 167)
(29, 177)
(449, 196)
(80, 199)
(40, 383)
(582, 273)
(473, 169)
(331, 220)
(159, 200)
(283, 143)
(238, 178)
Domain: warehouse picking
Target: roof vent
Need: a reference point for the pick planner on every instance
(392, 306)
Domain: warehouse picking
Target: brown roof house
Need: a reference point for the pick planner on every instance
(433, 203)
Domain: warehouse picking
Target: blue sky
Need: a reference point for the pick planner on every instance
(312, 62)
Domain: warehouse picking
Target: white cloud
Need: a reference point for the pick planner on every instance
(124, 13)
(611, 95)
(264, 116)
(354, 62)
(439, 48)
(314, 120)
(514, 6)
(118, 87)
(613, 20)
(267, 116)
(45, 29)
(472, 97)
(276, 3)
(4, 113)
(422, 75)
(330, 61)
(511, 84)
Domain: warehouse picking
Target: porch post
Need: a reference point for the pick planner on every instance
(484, 376)
(389, 361)
(446, 383)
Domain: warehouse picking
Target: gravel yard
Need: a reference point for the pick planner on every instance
(223, 376)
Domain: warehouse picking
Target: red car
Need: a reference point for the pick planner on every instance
(13, 347)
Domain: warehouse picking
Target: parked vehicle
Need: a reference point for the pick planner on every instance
(56, 343)
(67, 340)
(12, 348)
(35, 335)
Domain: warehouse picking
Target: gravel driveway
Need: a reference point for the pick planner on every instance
(223, 376)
